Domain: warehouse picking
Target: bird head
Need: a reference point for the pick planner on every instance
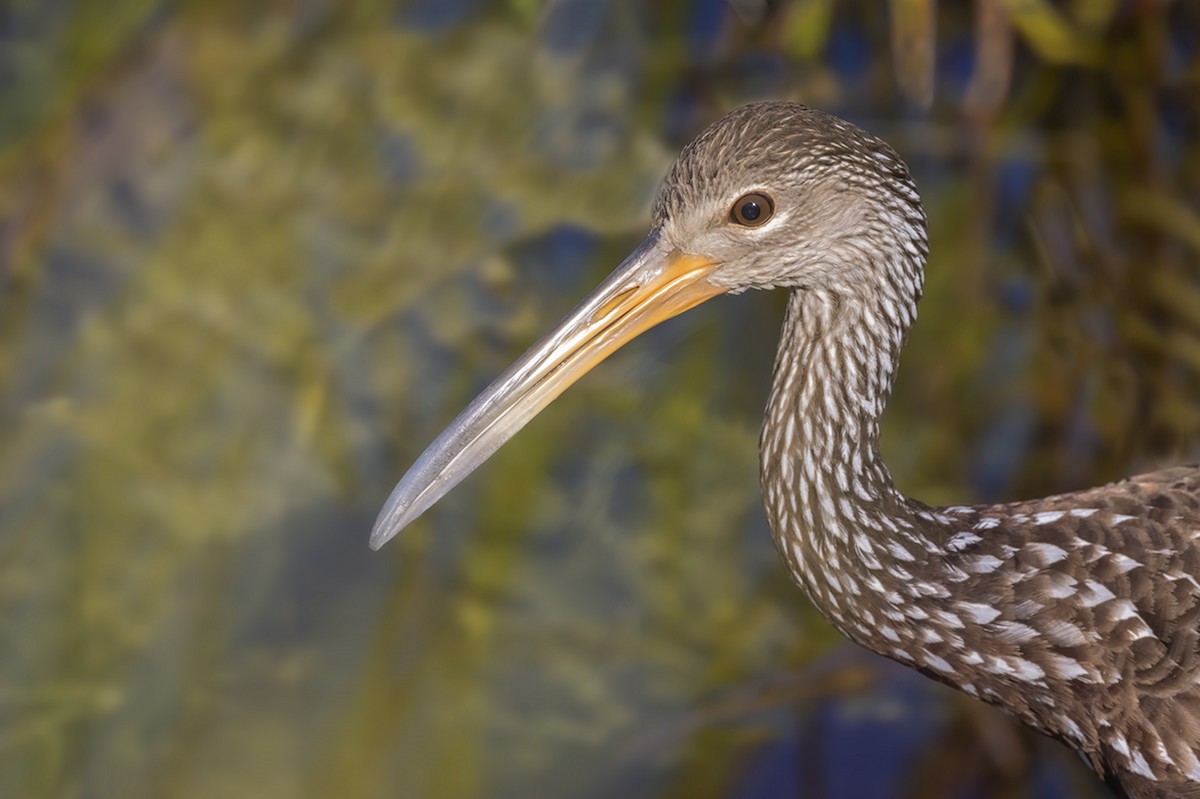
(777, 194)
(774, 194)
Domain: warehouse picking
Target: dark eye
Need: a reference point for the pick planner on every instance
(752, 209)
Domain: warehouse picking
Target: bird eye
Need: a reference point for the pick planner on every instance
(752, 209)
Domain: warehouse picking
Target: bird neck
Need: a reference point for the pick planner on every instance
(832, 506)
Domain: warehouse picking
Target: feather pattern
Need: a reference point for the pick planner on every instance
(1079, 613)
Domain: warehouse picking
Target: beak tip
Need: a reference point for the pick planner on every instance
(392, 519)
(411, 497)
(381, 534)
(379, 537)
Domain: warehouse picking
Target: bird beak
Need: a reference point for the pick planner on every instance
(651, 285)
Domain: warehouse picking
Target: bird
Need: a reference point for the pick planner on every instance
(1078, 613)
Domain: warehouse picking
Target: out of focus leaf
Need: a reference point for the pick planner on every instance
(913, 48)
(1165, 213)
(806, 27)
(992, 72)
(1094, 15)
(1050, 34)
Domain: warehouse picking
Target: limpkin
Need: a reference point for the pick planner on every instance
(1078, 613)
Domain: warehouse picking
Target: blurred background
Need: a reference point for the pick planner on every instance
(253, 257)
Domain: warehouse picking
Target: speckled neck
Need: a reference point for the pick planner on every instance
(845, 532)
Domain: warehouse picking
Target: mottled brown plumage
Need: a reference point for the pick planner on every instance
(1079, 613)
(1102, 578)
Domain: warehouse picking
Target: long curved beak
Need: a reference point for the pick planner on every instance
(650, 286)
